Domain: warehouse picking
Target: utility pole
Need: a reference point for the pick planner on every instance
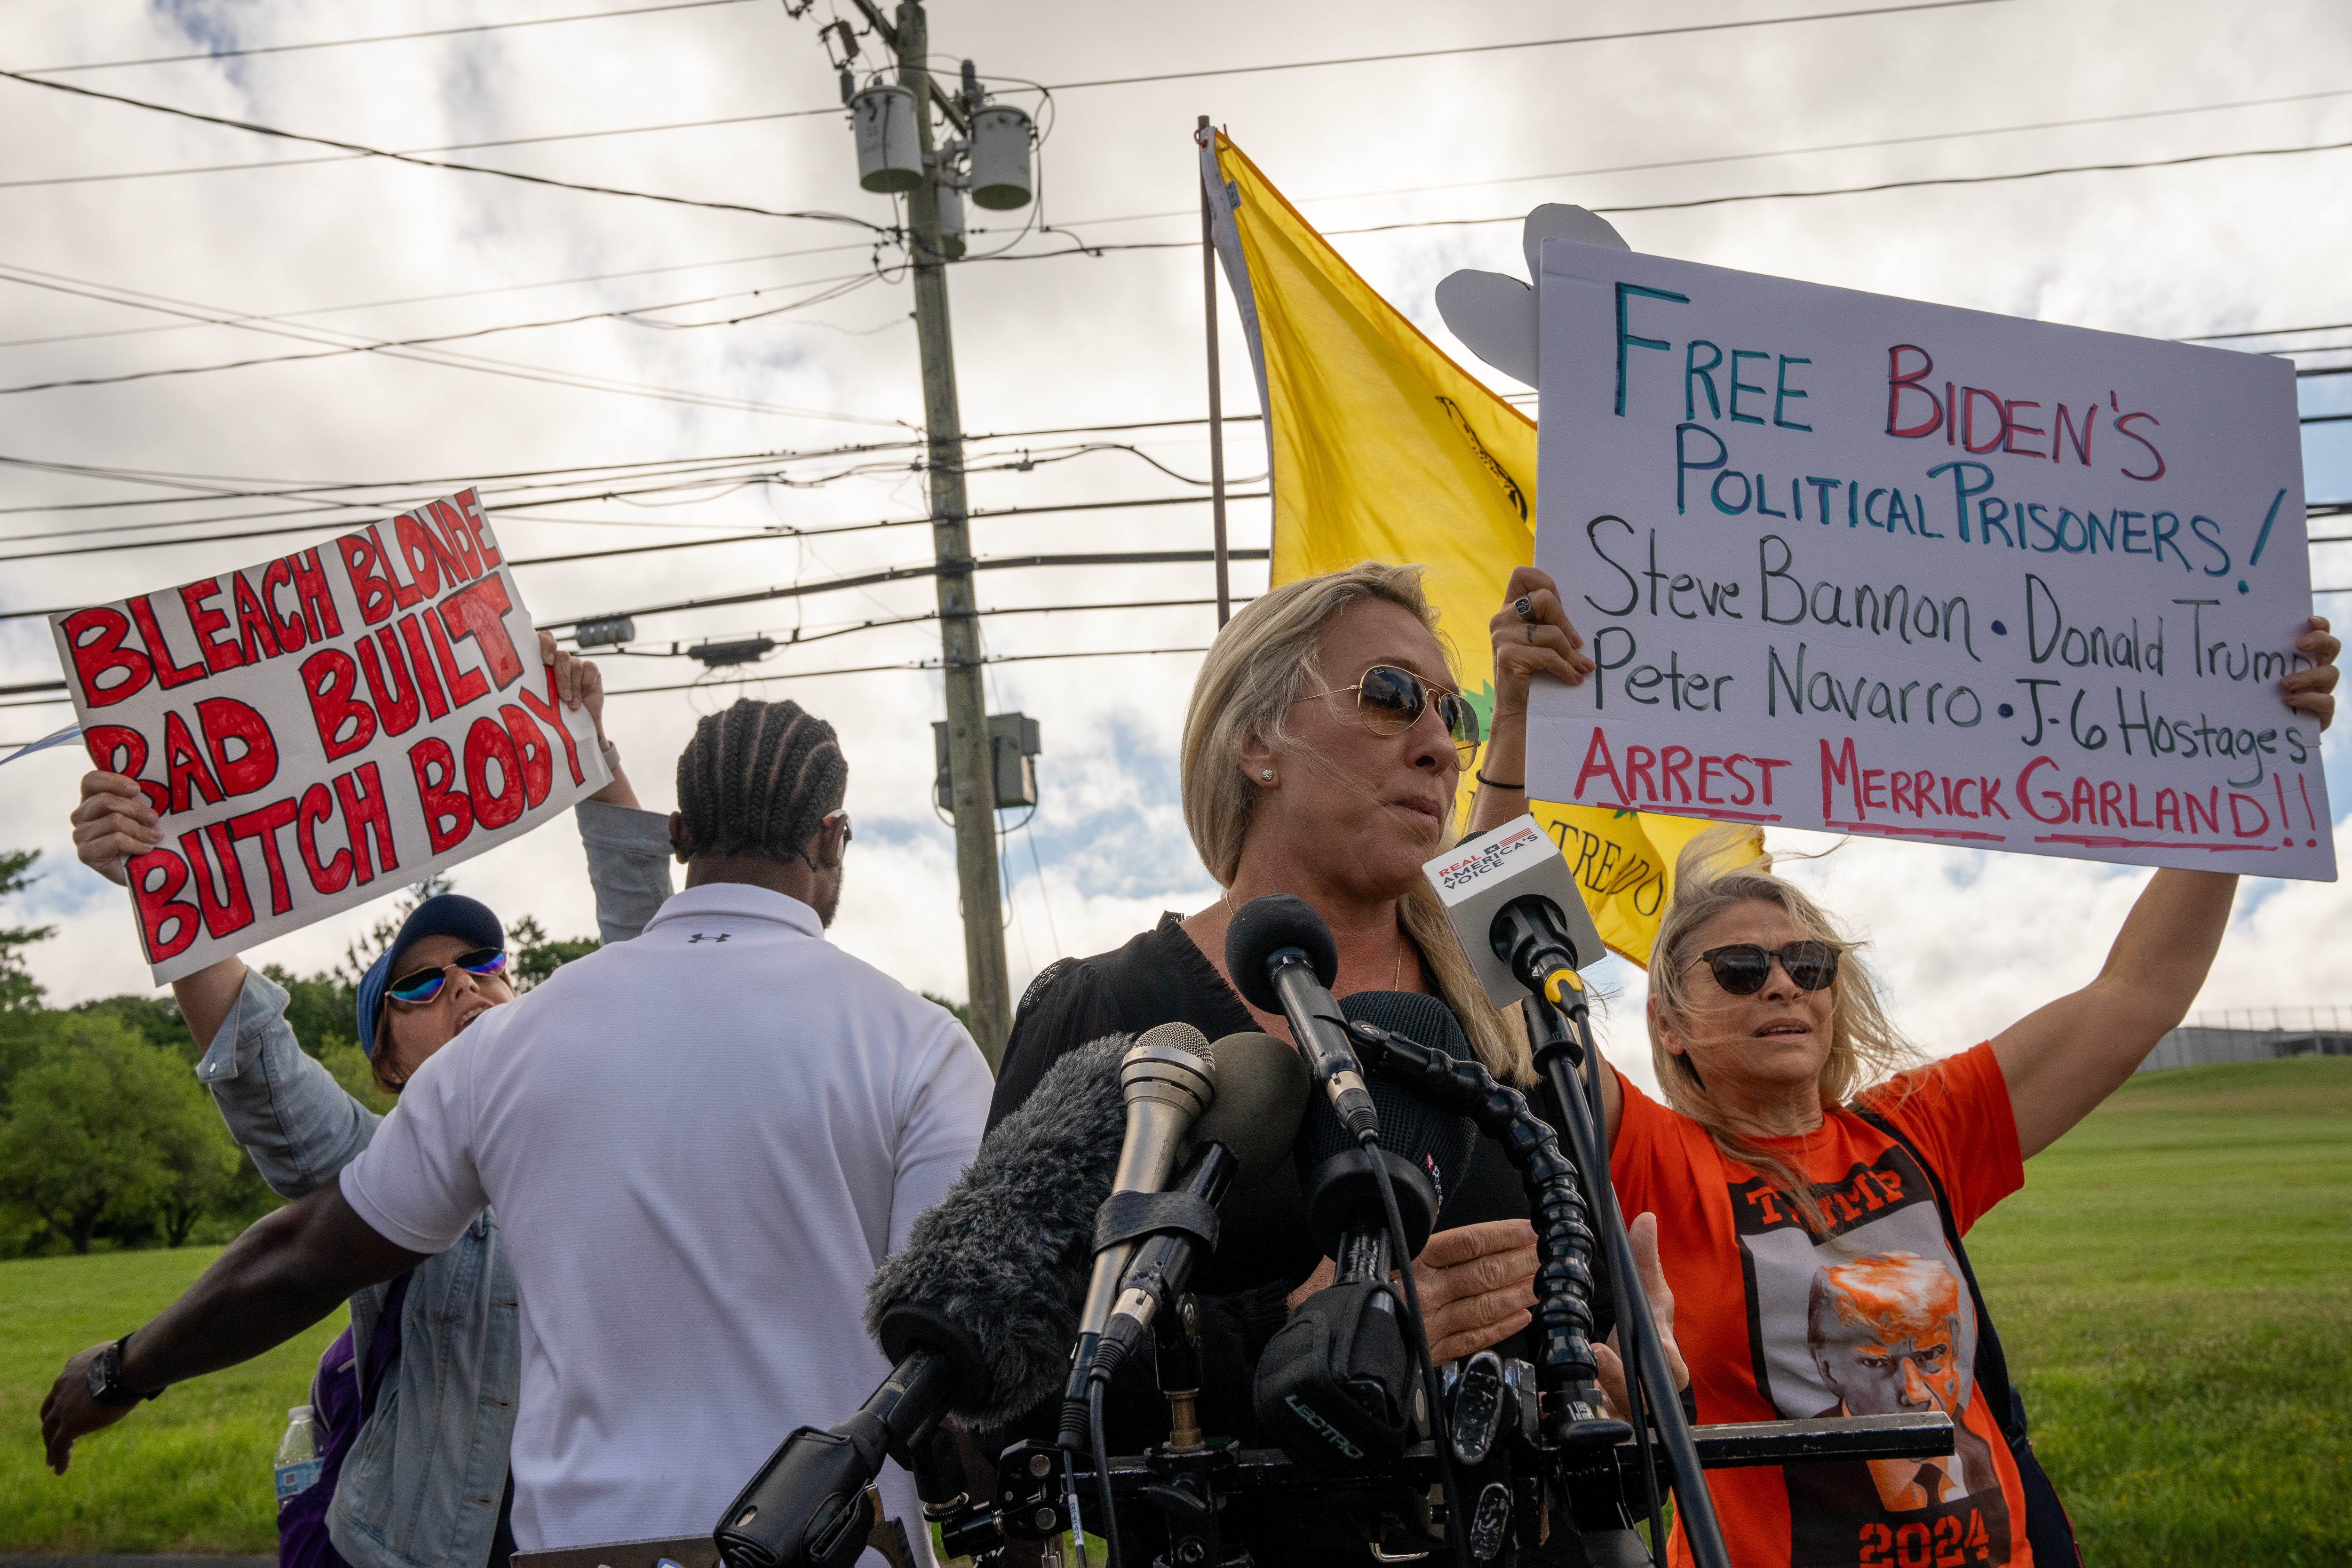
(972, 771)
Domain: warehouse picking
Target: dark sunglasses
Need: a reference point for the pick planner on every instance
(425, 983)
(1391, 700)
(1743, 970)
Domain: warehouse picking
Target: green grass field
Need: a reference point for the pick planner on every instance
(2174, 1285)
(187, 1473)
(2174, 1288)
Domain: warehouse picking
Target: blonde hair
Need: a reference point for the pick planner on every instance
(1262, 666)
(1866, 1049)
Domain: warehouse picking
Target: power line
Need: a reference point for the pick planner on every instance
(448, 358)
(1750, 157)
(925, 568)
(341, 525)
(826, 585)
(877, 669)
(1838, 191)
(680, 650)
(379, 38)
(415, 299)
(446, 147)
(1137, 218)
(363, 150)
(847, 283)
(1078, 246)
(1529, 44)
(295, 489)
(322, 516)
(2266, 332)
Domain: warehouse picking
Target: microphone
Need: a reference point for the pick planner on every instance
(1283, 960)
(1239, 1141)
(1513, 904)
(1167, 1078)
(1334, 1384)
(812, 1505)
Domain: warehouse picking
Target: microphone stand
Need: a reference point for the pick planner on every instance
(1562, 1045)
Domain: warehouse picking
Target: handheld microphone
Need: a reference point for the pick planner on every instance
(1239, 1141)
(1167, 1078)
(811, 1506)
(1334, 1384)
(1513, 904)
(1283, 960)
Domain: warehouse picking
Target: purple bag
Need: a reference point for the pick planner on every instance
(340, 1405)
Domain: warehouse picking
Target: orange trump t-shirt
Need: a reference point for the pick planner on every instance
(1869, 1318)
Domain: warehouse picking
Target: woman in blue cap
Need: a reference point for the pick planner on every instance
(414, 1404)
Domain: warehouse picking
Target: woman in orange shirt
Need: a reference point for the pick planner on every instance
(1811, 1207)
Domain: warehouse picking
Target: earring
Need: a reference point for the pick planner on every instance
(1266, 774)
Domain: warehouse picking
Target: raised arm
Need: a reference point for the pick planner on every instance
(289, 1269)
(2062, 1060)
(283, 1108)
(580, 684)
(1540, 642)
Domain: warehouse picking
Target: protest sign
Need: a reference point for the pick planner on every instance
(1860, 564)
(321, 729)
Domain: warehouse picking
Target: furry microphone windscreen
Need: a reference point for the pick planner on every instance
(1005, 1255)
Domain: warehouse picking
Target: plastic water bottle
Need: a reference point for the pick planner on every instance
(297, 1463)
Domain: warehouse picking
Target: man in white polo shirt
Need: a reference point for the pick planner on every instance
(700, 1145)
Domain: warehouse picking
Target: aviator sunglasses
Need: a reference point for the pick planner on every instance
(425, 983)
(1742, 969)
(1391, 700)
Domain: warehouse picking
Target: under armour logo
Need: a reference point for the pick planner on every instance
(697, 936)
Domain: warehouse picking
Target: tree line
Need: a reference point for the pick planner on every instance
(107, 1139)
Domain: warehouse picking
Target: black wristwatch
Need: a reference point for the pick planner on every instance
(105, 1373)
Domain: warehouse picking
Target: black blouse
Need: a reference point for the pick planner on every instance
(1263, 1253)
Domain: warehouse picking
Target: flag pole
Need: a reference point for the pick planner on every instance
(1216, 391)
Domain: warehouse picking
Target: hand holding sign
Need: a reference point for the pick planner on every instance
(1862, 564)
(2313, 690)
(114, 824)
(372, 709)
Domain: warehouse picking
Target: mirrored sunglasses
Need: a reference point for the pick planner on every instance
(425, 983)
(1391, 700)
(1743, 969)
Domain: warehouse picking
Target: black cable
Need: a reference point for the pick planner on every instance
(1457, 1526)
(841, 285)
(1633, 1328)
(1529, 44)
(1096, 1388)
(379, 38)
(412, 158)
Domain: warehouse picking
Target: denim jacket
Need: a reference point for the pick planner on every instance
(420, 1485)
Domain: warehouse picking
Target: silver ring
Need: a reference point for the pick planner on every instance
(1524, 606)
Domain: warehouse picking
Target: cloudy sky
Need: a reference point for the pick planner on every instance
(137, 242)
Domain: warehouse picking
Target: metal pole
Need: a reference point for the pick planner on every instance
(971, 766)
(1216, 397)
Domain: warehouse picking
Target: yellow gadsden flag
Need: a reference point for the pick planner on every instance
(1383, 448)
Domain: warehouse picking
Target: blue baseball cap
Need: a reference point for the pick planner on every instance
(444, 914)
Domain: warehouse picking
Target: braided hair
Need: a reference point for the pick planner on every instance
(759, 779)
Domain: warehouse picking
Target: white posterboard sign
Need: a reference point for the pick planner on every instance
(1862, 564)
(321, 729)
